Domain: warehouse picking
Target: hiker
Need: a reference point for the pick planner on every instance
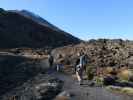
(80, 66)
(76, 63)
(50, 60)
(59, 65)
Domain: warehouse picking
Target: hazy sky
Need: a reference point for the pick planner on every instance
(83, 18)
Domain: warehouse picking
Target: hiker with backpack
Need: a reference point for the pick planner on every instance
(59, 65)
(50, 60)
(80, 66)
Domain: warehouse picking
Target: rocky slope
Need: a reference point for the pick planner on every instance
(24, 78)
(101, 53)
(15, 70)
(17, 30)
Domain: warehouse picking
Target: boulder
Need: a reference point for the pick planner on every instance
(47, 90)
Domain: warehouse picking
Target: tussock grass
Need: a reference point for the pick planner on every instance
(125, 75)
(125, 90)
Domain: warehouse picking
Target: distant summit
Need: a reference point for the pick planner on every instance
(26, 29)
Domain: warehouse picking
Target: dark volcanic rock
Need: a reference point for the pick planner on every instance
(17, 30)
(21, 79)
(15, 70)
(110, 80)
(48, 90)
(42, 87)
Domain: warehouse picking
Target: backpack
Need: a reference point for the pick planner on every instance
(79, 64)
(76, 64)
(83, 60)
(51, 59)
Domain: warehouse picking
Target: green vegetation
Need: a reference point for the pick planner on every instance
(90, 71)
(99, 81)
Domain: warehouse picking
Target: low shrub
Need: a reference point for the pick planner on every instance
(90, 71)
(99, 81)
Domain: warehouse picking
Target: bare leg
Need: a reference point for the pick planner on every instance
(78, 77)
(58, 67)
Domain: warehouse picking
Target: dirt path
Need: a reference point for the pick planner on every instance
(82, 92)
(88, 93)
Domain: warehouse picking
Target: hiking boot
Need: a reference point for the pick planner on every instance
(80, 83)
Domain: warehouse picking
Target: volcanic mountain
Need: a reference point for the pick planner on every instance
(26, 29)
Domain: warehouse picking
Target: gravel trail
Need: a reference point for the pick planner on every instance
(84, 92)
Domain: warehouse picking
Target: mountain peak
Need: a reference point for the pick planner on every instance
(25, 29)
